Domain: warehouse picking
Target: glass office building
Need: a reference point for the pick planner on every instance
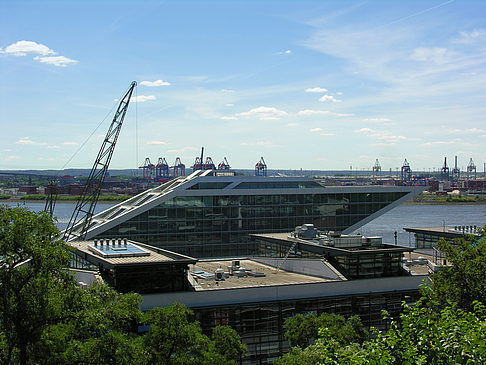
(206, 215)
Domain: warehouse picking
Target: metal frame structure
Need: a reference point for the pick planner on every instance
(86, 205)
(261, 168)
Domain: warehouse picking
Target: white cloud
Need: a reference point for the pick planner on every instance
(53, 147)
(22, 48)
(315, 130)
(383, 137)
(229, 104)
(377, 120)
(229, 117)
(315, 90)
(339, 93)
(183, 149)
(59, 61)
(70, 143)
(264, 113)
(142, 98)
(436, 55)
(466, 131)
(327, 134)
(288, 51)
(471, 37)
(11, 158)
(331, 98)
(25, 140)
(28, 141)
(155, 83)
(268, 144)
(46, 55)
(227, 91)
(437, 143)
(293, 124)
(156, 143)
(311, 112)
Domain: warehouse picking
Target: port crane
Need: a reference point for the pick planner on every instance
(86, 205)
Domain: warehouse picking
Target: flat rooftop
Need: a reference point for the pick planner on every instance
(114, 256)
(268, 275)
(313, 245)
(442, 231)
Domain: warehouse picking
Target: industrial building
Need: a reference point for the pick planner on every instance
(255, 295)
(211, 213)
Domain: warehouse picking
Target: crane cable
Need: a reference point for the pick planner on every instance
(136, 131)
(87, 139)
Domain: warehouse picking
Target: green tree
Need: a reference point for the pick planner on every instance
(101, 329)
(302, 330)
(31, 278)
(465, 280)
(228, 343)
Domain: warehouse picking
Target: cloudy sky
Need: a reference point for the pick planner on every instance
(305, 84)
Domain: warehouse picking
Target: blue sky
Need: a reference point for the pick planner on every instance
(305, 84)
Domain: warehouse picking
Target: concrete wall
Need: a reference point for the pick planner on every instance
(313, 267)
(282, 292)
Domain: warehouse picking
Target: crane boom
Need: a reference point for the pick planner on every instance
(82, 214)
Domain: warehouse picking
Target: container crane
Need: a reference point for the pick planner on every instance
(83, 213)
(456, 173)
(224, 165)
(261, 168)
(377, 168)
(147, 169)
(162, 170)
(471, 167)
(209, 164)
(179, 168)
(406, 171)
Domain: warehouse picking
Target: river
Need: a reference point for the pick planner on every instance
(406, 215)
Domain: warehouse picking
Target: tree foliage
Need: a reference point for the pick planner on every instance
(302, 330)
(446, 326)
(45, 318)
(31, 280)
(465, 280)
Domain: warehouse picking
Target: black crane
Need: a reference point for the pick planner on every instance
(85, 207)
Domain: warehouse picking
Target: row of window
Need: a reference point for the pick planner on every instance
(238, 200)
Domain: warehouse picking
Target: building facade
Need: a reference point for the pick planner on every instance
(205, 215)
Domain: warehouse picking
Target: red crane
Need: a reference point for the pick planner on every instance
(147, 169)
(179, 168)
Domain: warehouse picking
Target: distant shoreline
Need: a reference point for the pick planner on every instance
(114, 202)
(65, 201)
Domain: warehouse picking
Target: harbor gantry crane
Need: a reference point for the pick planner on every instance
(83, 213)
(406, 171)
(444, 171)
(456, 173)
(377, 168)
(261, 168)
(162, 170)
(471, 167)
(179, 168)
(224, 165)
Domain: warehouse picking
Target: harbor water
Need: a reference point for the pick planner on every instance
(406, 215)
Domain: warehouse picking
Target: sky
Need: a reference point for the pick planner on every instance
(305, 84)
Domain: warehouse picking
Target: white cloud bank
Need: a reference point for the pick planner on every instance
(155, 83)
(157, 143)
(142, 98)
(315, 90)
(46, 55)
(59, 61)
(311, 112)
(261, 113)
(330, 98)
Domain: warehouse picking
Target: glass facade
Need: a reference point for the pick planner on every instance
(260, 325)
(218, 225)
